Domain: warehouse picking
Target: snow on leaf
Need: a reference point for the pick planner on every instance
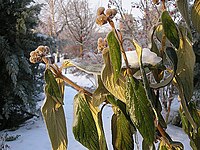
(148, 57)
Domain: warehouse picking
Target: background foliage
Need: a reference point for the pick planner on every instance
(20, 81)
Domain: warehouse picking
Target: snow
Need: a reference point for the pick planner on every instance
(33, 134)
(148, 57)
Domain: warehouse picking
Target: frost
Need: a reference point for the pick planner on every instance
(148, 57)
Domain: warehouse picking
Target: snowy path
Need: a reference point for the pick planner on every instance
(33, 135)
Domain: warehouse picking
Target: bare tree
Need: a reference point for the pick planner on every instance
(79, 21)
(51, 18)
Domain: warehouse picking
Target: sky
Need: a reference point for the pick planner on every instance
(126, 4)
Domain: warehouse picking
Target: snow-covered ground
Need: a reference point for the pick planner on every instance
(33, 134)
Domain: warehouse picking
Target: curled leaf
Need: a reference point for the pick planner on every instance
(170, 29)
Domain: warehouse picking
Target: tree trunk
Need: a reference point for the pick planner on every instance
(81, 51)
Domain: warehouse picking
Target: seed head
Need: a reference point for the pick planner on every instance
(100, 11)
(101, 19)
(33, 60)
(114, 12)
(109, 12)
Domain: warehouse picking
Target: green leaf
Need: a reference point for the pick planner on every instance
(157, 73)
(86, 126)
(116, 88)
(115, 54)
(186, 125)
(146, 146)
(53, 114)
(140, 109)
(185, 67)
(147, 88)
(99, 95)
(159, 32)
(53, 88)
(122, 106)
(150, 95)
(183, 9)
(122, 132)
(172, 58)
(195, 15)
(170, 29)
(154, 47)
(185, 73)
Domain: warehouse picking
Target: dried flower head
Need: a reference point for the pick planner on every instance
(102, 43)
(110, 13)
(100, 11)
(38, 54)
(101, 19)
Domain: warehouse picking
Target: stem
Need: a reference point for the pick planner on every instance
(59, 74)
(74, 85)
(163, 43)
(163, 5)
(163, 134)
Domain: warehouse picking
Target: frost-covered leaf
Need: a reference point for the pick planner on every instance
(116, 88)
(170, 29)
(140, 109)
(122, 132)
(87, 128)
(183, 9)
(115, 54)
(195, 15)
(53, 114)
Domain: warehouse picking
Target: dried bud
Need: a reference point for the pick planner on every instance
(101, 20)
(100, 11)
(155, 1)
(109, 12)
(39, 59)
(41, 50)
(114, 12)
(47, 49)
(34, 54)
(101, 44)
(105, 42)
(100, 40)
(33, 60)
